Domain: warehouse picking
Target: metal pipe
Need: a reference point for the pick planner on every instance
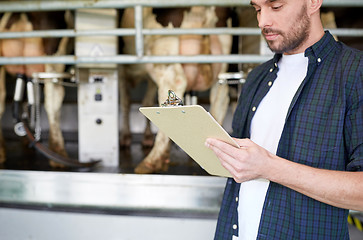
(242, 31)
(67, 33)
(52, 75)
(131, 59)
(345, 32)
(139, 40)
(23, 6)
(139, 32)
(129, 32)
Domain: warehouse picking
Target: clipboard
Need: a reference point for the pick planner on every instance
(189, 127)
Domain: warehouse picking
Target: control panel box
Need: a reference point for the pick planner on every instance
(98, 123)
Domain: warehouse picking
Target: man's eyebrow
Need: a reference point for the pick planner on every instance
(252, 3)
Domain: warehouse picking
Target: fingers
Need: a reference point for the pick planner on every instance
(248, 162)
(225, 152)
(235, 160)
(210, 142)
(216, 145)
(222, 150)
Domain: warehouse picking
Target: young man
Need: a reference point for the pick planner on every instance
(299, 123)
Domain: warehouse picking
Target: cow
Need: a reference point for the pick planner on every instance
(28, 47)
(183, 77)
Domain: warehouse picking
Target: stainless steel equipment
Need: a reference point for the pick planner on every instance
(98, 89)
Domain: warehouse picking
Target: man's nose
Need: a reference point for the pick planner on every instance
(264, 19)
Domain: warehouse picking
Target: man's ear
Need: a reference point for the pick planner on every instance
(314, 6)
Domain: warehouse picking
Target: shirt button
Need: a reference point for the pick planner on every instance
(236, 199)
(234, 226)
(271, 69)
(269, 83)
(253, 109)
(275, 64)
(319, 59)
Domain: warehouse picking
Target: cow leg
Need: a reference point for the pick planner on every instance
(148, 101)
(219, 95)
(158, 158)
(219, 101)
(166, 77)
(169, 76)
(128, 77)
(124, 87)
(2, 109)
(53, 98)
(3, 22)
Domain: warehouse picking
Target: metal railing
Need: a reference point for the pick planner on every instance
(44, 5)
(139, 32)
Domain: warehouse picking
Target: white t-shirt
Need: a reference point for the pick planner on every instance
(266, 129)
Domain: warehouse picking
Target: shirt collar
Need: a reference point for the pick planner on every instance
(320, 50)
(317, 52)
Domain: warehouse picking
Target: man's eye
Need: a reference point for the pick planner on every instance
(276, 7)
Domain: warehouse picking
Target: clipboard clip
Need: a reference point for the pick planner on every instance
(173, 100)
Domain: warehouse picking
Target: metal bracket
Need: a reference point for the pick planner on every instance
(232, 78)
(173, 100)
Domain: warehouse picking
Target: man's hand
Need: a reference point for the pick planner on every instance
(248, 162)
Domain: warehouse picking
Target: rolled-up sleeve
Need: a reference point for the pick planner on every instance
(354, 125)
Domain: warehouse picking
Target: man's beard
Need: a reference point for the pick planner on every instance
(292, 39)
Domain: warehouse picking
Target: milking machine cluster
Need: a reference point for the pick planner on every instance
(97, 84)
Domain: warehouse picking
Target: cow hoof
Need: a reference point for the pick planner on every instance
(54, 164)
(148, 141)
(2, 156)
(147, 168)
(60, 151)
(125, 141)
(2, 152)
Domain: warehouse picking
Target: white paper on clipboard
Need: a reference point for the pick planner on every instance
(189, 127)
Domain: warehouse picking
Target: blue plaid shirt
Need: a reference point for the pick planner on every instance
(323, 129)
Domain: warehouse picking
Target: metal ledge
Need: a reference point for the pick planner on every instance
(165, 195)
